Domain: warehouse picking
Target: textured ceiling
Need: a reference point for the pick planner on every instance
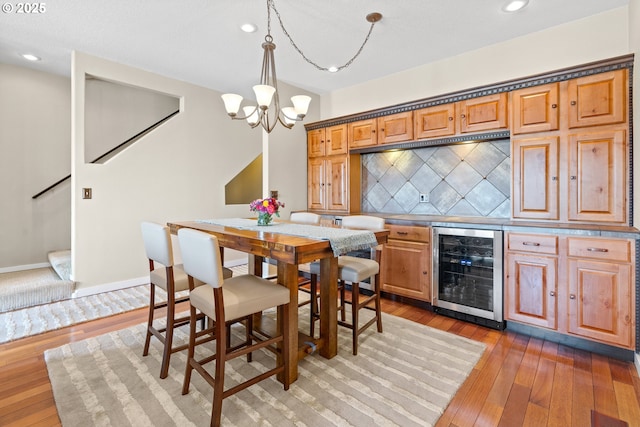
(199, 41)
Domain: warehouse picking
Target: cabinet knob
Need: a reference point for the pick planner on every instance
(450, 119)
(462, 116)
(554, 178)
(552, 293)
(425, 273)
(572, 296)
(573, 177)
(328, 183)
(554, 105)
(573, 102)
(373, 131)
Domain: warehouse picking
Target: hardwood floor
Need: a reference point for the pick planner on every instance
(519, 381)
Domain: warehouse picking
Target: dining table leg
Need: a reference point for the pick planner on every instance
(288, 276)
(329, 307)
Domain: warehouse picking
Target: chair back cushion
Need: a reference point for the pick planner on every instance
(201, 256)
(157, 243)
(363, 221)
(305, 218)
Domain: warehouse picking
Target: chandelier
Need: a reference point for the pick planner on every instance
(267, 111)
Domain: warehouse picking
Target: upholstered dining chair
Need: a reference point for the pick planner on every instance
(355, 270)
(172, 279)
(225, 301)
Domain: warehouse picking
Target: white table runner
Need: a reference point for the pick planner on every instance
(342, 240)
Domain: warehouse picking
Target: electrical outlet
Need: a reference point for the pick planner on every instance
(424, 198)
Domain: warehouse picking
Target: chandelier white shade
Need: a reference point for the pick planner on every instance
(266, 111)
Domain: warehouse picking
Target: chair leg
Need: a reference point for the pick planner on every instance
(355, 311)
(190, 351)
(152, 294)
(218, 385)
(378, 302)
(168, 335)
(343, 307)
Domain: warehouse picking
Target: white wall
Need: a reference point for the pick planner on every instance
(597, 37)
(177, 172)
(35, 152)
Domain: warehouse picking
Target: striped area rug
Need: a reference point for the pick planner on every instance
(41, 318)
(405, 376)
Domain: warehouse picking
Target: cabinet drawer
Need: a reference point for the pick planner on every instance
(606, 249)
(535, 243)
(409, 232)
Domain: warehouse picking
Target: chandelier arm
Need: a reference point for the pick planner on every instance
(321, 68)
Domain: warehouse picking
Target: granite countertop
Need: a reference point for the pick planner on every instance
(507, 224)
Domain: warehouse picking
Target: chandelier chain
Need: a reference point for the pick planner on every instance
(319, 67)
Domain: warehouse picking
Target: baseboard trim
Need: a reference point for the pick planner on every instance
(129, 283)
(108, 287)
(24, 267)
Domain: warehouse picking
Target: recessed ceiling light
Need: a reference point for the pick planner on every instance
(30, 57)
(514, 5)
(333, 69)
(249, 28)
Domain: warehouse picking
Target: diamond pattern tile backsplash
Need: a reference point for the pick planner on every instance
(471, 179)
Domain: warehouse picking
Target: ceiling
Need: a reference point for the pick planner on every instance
(199, 41)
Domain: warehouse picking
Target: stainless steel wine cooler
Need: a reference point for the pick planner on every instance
(467, 275)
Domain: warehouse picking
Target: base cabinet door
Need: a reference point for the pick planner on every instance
(530, 291)
(406, 269)
(600, 303)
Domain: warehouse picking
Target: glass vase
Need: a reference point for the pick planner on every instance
(264, 218)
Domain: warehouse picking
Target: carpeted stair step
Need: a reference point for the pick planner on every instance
(27, 288)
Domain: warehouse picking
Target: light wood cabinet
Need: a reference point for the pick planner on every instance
(483, 113)
(406, 262)
(395, 128)
(535, 109)
(601, 290)
(435, 121)
(570, 163)
(598, 99)
(585, 289)
(327, 141)
(328, 183)
(535, 177)
(531, 279)
(597, 176)
(362, 133)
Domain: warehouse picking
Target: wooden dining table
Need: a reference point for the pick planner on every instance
(289, 251)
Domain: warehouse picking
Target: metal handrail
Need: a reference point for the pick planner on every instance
(97, 159)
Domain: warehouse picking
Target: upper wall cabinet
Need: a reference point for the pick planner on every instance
(395, 128)
(535, 109)
(598, 99)
(363, 133)
(483, 113)
(435, 121)
(327, 141)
